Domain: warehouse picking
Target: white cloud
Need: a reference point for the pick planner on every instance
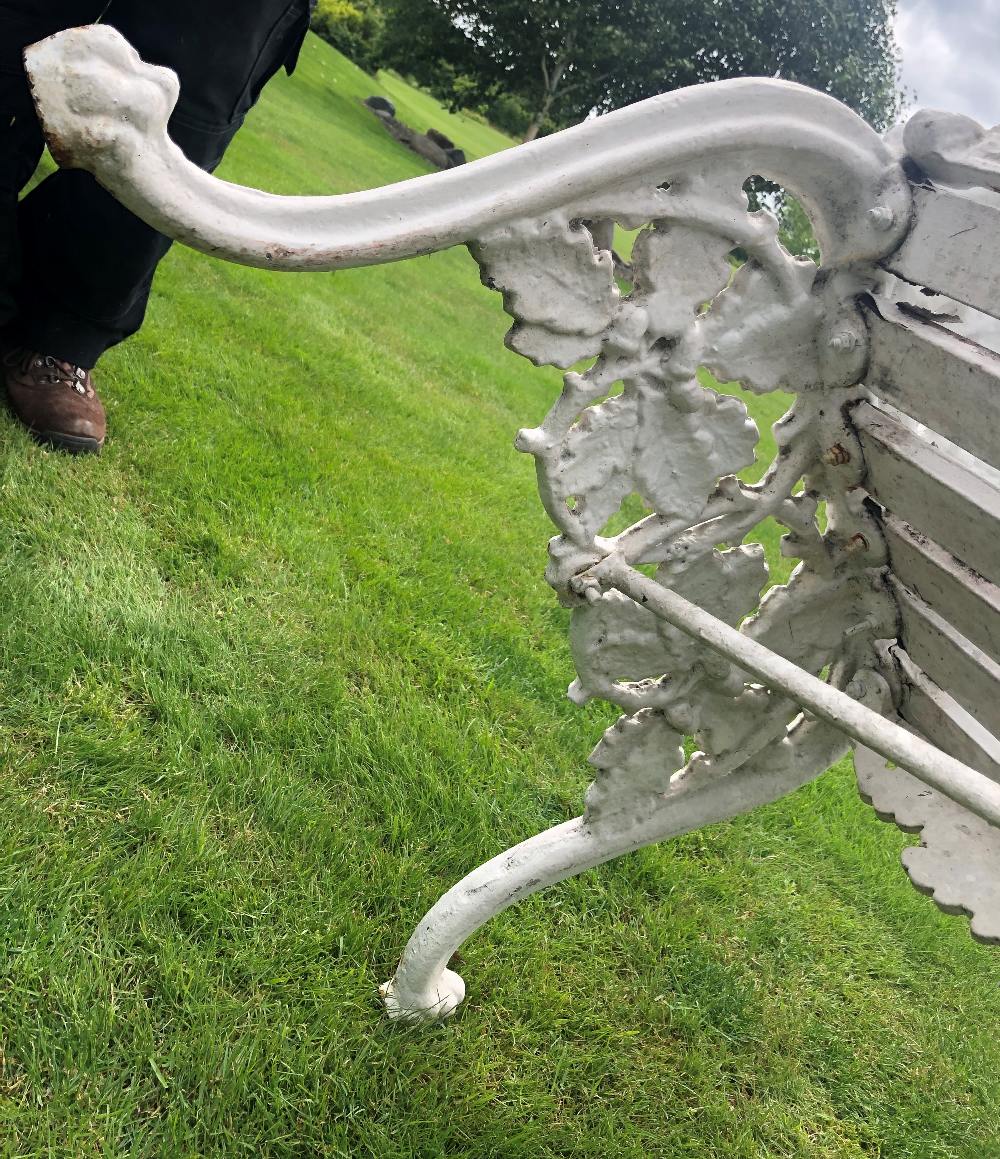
(950, 52)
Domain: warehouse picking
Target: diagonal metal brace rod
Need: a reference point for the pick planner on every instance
(935, 768)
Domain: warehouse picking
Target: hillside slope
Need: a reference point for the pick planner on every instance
(281, 666)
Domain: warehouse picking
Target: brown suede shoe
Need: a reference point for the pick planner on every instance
(55, 400)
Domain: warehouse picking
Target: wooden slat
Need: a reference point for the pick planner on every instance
(961, 596)
(936, 377)
(916, 482)
(949, 659)
(940, 719)
(953, 247)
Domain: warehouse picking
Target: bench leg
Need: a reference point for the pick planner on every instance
(424, 989)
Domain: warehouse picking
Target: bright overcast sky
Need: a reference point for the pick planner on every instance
(951, 55)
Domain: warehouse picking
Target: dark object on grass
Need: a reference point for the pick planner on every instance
(455, 155)
(440, 139)
(432, 145)
(381, 105)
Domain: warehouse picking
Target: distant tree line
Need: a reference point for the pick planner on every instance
(534, 66)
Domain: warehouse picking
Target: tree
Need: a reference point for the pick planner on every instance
(566, 59)
(353, 26)
(421, 41)
(560, 56)
(842, 47)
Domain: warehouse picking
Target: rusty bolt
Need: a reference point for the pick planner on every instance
(836, 455)
(882, 217)
(856, 543)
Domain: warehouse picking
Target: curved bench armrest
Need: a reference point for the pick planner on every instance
(105, 110)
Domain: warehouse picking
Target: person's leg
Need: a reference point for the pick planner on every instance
(88, 262)
(21, 22)
(20, 150)
(55, 400)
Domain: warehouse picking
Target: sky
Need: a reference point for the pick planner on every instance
(951, 55)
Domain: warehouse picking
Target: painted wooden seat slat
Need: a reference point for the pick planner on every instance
(953, 247)
(970, 602)
(948, 658)
(912, 478)
(938, 716)
(937, 377)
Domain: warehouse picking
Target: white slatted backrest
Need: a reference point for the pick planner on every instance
(931, 440)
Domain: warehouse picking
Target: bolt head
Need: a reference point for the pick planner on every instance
(882, 217)
(845, 341)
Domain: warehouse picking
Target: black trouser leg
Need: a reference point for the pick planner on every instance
(21, 23)
(20, 149)
(87, 262)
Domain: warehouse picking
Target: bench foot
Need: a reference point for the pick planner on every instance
(431, 1003)
(423, 989)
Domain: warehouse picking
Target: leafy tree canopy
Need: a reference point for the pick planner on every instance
(561, 59)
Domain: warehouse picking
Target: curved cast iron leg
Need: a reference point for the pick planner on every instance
(423, 988)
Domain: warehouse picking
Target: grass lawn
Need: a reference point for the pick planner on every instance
(281, 666)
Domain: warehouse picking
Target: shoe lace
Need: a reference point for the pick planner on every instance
(60, 373)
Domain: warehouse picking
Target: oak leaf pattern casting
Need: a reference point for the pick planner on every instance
(641, 421)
